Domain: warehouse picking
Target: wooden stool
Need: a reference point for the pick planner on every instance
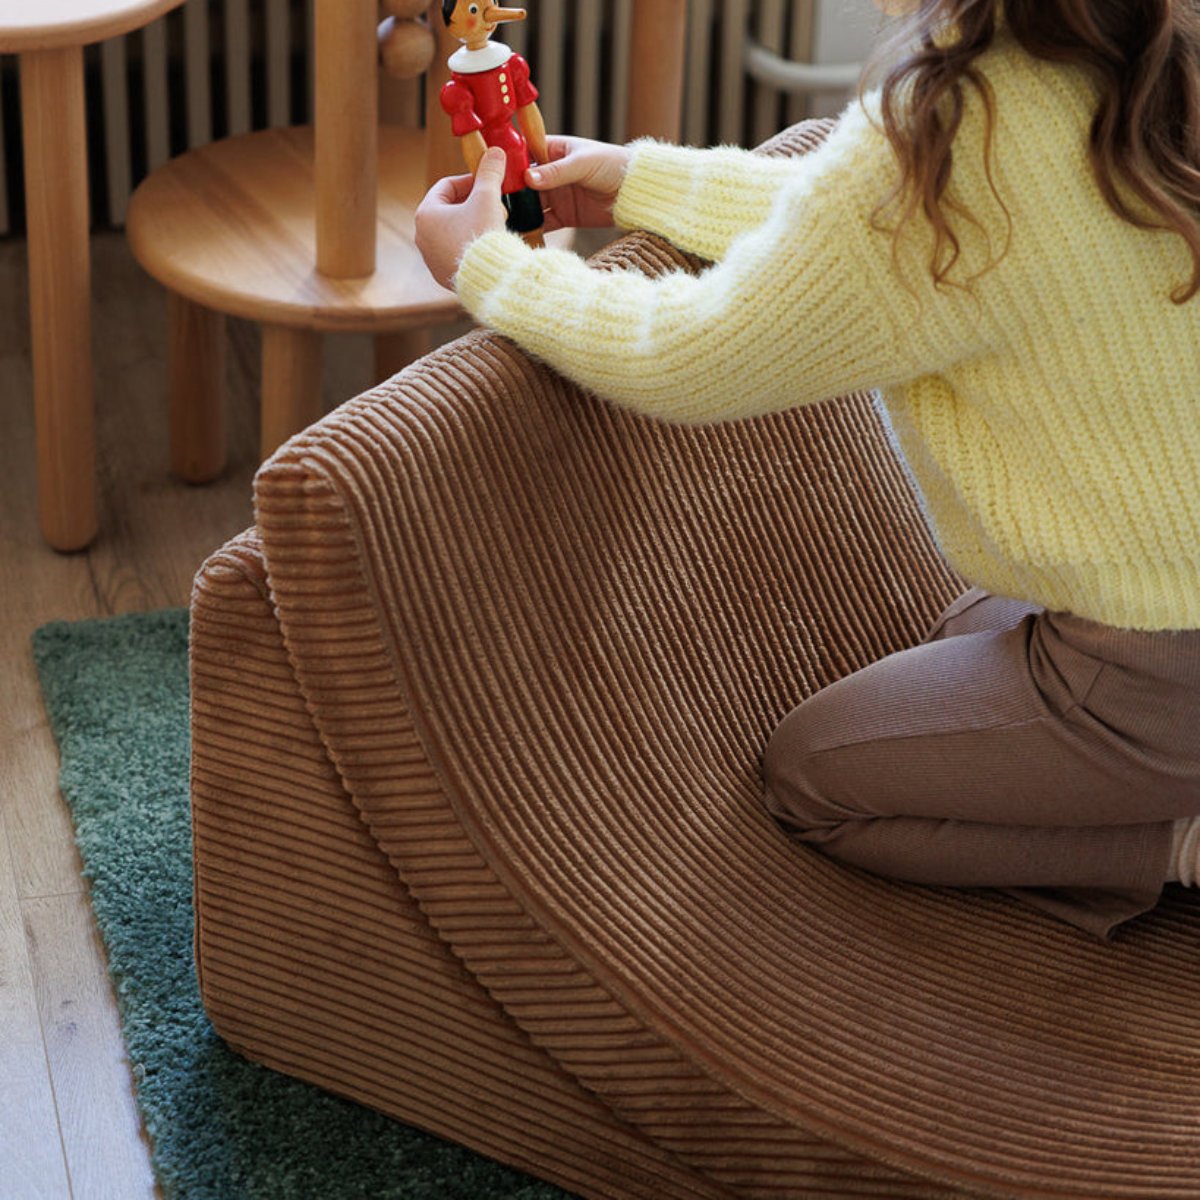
(230, 228)
(49, 36)
(309, 231)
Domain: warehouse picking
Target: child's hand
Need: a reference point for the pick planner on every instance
(580, 182)
(455, 212)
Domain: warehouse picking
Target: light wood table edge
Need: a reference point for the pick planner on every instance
(234, 298)
(96, 26)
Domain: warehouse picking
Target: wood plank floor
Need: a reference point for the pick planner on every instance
(68, 1123)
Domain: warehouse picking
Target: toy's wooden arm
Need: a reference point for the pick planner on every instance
(534, 129)
(473, 148)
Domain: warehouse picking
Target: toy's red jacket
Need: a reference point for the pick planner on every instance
(488, 101)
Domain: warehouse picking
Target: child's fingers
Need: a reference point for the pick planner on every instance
(558, 173)
(489, 177)
(454, 189)
(596, 166)
(558, 146)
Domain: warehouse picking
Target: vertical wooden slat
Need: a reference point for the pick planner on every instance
(310, 57)
(237, 64)
(585, 119)
(400, 101)
(548, 70)
(698, 89)
(800, 49)
(622, 31)
(198, 64)
(765, 116)
(347, 141)
(114, 85)
(515, 34)
(4, 216)
(442, 153)
(154, 88)
(731, 124)
(656, 53)
(279, 91)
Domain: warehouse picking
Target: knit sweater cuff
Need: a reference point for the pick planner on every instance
(699, 199)
(487, 262)
(656, 175)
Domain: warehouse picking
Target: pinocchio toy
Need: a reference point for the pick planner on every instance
(489, 86)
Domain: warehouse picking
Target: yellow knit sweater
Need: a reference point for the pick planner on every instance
(1051, 418)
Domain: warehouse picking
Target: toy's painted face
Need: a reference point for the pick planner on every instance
(475, 20)
(467, 21)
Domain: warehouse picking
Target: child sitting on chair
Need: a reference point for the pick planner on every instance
(1004, 239)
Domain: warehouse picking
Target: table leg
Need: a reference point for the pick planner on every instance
(656, 56)
(56, 202)
(196, 352)
(291, 384)
(394, 351)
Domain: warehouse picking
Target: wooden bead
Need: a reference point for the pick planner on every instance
(406, 10)
(407, 48)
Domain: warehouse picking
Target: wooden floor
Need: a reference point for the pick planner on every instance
(68, 1123)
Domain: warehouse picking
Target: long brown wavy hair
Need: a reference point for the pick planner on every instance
(1145, 55)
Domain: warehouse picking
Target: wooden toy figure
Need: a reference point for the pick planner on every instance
(488, 86)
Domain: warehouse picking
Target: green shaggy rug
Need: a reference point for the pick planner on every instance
(221, 1127)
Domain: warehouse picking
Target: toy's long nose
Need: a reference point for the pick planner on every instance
(495, 16)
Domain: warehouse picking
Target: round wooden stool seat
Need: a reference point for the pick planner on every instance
(230, 229)
(52, 24)
(232, 226)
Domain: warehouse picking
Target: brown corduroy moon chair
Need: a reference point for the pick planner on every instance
(478, 714)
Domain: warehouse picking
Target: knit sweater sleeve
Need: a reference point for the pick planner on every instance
(699, 199)
(806, 306)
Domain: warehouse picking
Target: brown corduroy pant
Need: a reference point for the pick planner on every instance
(1016, 748)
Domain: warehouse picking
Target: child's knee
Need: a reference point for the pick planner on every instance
(800, 779)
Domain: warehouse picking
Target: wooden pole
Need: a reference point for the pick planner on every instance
(56, 193)
(658, 37)
(347, 136)
(196, 388)
(443, 155)
(395, 351)
(291, 384)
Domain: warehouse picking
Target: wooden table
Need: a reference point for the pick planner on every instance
(230, 228)
(49, 36)
(310, 230)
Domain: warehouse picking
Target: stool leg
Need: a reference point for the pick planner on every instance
(196, 355)
(394, 351)
(291, 384)
(56, 201)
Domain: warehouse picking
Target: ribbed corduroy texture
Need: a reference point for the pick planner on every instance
(313, 957)
(544, 642)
